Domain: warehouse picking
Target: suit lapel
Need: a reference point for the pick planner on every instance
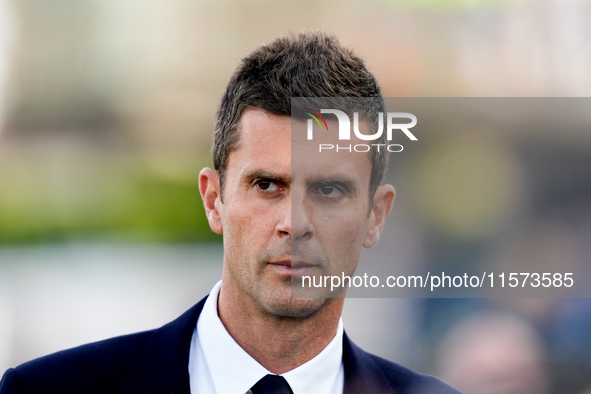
(162, 365)
(362, 373)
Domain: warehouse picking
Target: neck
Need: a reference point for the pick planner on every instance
(278, 343)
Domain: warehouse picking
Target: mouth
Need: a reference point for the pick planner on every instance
(292, 268)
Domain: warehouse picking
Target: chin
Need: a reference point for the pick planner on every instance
(293, 307)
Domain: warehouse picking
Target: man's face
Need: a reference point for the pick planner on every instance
(284, 218)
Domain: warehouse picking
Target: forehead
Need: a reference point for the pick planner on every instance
(275, 143)
(261, 137)
(309, 153)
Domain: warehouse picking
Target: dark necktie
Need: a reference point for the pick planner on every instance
(272, 384)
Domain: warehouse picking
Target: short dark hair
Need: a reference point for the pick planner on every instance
(309, 64)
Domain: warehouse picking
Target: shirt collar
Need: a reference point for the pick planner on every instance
(320, 373)
(235, 371)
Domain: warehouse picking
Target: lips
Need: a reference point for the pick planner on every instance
(292, 268)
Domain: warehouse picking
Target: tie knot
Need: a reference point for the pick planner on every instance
(272, 384)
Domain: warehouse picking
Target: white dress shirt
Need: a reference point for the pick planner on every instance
(217, 364)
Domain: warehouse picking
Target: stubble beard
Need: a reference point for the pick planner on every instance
(275, 297)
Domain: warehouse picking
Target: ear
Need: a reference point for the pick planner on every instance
(209, 186)
(382, 205)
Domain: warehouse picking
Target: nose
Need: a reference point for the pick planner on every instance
(296, 223)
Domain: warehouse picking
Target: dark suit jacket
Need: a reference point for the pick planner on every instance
(156, 361)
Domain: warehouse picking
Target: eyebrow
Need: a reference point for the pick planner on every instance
(262, 174)
(350, 184)
(347, 182)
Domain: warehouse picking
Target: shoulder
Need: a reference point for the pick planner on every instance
(363, 370)
(415, 383)
(101, 365)
(152, 361)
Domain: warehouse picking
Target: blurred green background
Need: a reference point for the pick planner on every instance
(108, 105)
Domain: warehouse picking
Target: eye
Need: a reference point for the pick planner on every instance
(328, 190)
(267, 185)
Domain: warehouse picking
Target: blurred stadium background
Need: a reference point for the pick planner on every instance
(106, 114)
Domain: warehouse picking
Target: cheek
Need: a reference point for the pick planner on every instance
(343, 228)
(243, 226)
(237, 245)
(343, 242)
(236, 224)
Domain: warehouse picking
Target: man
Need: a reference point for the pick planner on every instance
(281, 219)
